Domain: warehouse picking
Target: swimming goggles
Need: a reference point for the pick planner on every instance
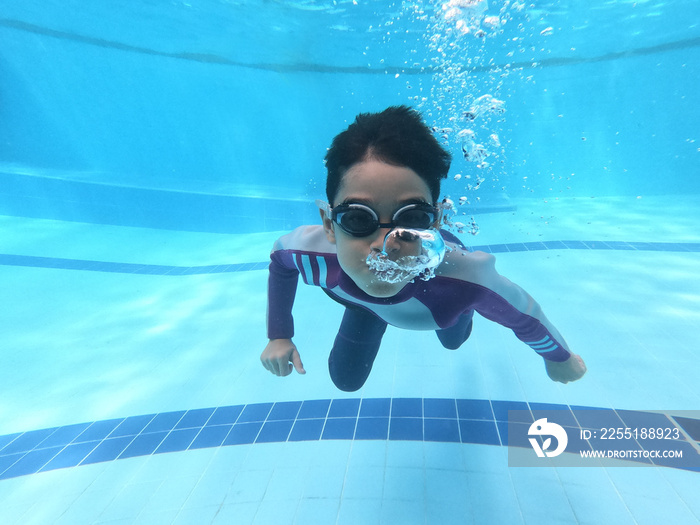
(359, 220)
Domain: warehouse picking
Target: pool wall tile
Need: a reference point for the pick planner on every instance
(27, 441)
(164, 421)
(344, 408)
(132, 426)
(64, 435)
(474, 409)
(406, 407)
(195, 418)
(70, 456)
(255, 413)
(339, 428)
(307, 430)
(372, 428)
(30, 462)
(443, 430)
(108, 450)
(285, 410)
(225, 415)
(482, 432)
(406, 429)
(375, 407)
(315, 408)
(442, 408)
(475, 421)
(243, 433)
(143, 445)
(177, 440)
(275, 431)
(211, 436)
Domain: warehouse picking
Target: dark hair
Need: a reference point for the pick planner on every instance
(397, 136)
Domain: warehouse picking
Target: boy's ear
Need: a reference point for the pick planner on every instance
(328, 227)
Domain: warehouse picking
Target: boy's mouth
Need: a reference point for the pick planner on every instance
(408, 267)
(386, 270)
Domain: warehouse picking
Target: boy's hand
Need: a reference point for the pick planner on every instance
(281, 356)
(565, 371)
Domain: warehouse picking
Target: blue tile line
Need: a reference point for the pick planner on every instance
(33, 261)
(475, 421)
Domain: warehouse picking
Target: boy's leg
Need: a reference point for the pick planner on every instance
(355, 348)
(453, 337)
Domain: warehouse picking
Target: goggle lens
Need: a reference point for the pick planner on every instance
(357, 221)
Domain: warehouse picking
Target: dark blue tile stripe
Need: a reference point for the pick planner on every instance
(477, 421)
(32, 261)
(114, 267)
(686, 247)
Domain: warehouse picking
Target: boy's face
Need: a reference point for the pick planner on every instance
(385, 189)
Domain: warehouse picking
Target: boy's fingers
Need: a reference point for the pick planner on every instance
(268, 366)
(296, 362)
(276, 366)
(282, 367)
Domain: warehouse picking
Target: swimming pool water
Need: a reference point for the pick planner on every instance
(147, 339)
(150, 155)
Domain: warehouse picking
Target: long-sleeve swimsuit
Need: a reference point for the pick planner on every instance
(445, 303)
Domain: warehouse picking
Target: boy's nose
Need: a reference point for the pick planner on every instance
(379, 244)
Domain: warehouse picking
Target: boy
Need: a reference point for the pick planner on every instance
(384, 176)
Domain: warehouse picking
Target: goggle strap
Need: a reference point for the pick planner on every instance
(324, 206)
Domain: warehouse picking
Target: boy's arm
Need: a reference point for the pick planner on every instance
(281, 290)
(508, 304)
(280, 355)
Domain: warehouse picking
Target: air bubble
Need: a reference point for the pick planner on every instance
(409, 267)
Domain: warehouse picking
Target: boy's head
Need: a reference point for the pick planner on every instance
(396, 136)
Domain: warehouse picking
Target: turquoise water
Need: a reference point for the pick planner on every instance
(151, 153)
(222, 99)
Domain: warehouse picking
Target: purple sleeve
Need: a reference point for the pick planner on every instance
(527, 328)
(281, 289)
